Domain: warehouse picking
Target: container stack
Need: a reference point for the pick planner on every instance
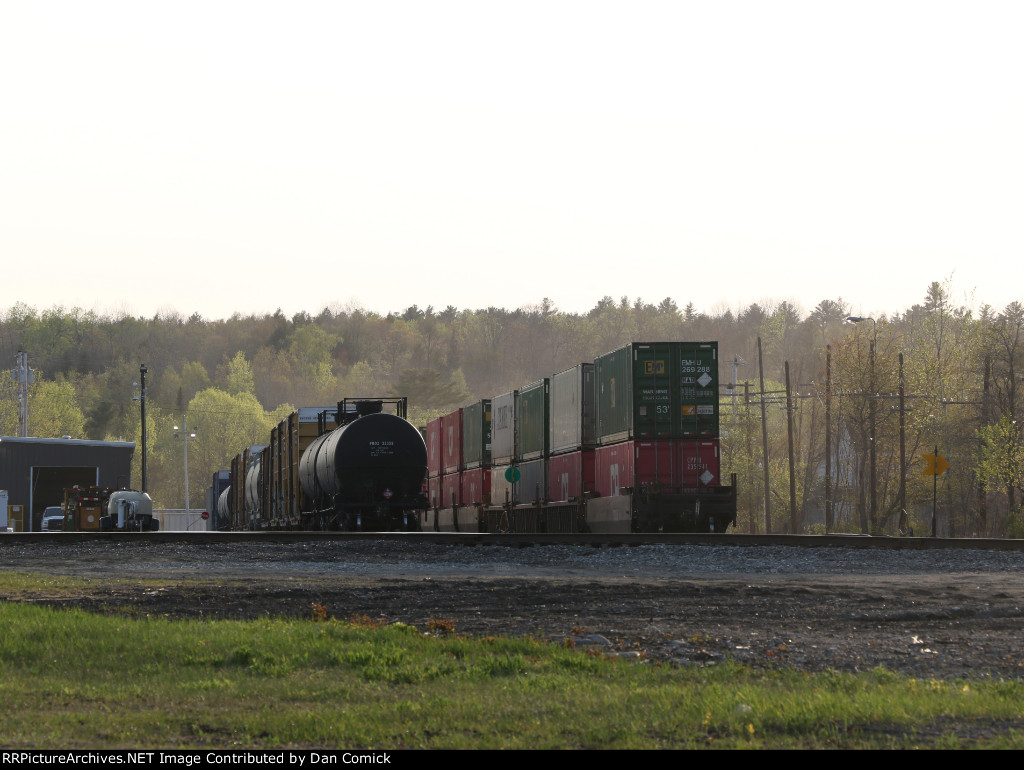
(503, 447)
(476, 453)
(657, 417)
(432, 437)
(639, 418)
(451, 459)
(532, 431)
(573, 431)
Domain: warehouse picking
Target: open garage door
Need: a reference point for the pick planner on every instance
(48, 485)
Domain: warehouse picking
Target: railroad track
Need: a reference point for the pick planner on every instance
(516, 540)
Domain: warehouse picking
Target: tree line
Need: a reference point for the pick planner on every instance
(233, 379)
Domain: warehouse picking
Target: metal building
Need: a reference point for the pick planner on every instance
(36, 471)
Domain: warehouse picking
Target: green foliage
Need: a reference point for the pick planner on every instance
(238, 379)
(361, 380)
(194, 378)
(224, 424)
(53, 409)
(961, 372)
(1015, 524)
(427, 388)
(311, 348)
(1001, 459)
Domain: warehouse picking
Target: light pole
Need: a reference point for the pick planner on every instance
(185, 434)
(871, 412)
(141, 398)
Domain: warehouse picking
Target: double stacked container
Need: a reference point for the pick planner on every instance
(657, 417)
(520, 444)
(451, 459)
(459, 457)
(533, 414)
(573, 429)
(476, 453)
(503, 447)
(433, 440)
(643, 415)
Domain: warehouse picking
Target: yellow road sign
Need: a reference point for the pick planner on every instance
(937, 465)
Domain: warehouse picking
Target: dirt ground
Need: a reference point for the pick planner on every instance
(928, 626)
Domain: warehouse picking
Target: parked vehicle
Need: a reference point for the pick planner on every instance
(53, 519)
(95, 509)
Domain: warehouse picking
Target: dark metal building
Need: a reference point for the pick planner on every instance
(36, 471)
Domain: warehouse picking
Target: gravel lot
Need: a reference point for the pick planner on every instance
(929, 613)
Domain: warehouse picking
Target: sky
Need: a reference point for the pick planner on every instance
(240, 157)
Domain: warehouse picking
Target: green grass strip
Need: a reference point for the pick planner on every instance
(71, 679)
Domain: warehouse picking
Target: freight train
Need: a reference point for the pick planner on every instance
(354, 467)
(628, 443)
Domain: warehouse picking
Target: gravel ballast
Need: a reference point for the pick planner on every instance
(928, 613)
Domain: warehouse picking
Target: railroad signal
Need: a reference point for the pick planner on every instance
(937, 465)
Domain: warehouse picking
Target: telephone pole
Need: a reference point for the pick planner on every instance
(24, 377)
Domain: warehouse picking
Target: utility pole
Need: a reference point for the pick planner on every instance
(872, 397)
(750, 456)
(24, 377)
(828, 438)
(764, 445)
(141, 398)
(793, 524)
(872, 405)
(903, 523)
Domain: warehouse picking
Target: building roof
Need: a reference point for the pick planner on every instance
(67, 442)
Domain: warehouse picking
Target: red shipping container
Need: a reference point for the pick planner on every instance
(570, 475)
(636, 463)
(451, 490)
(434, 491)
(433, 439)
(613, 468)
(476, 486)
(701, 462)
(451, 442)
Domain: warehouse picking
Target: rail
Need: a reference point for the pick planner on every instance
(520, 540)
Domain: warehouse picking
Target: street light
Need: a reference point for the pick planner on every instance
(185, 434)
(141, 398)
(871, 410)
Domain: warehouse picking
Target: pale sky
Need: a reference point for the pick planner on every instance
(221, 157)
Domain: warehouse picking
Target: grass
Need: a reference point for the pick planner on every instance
(71, 679)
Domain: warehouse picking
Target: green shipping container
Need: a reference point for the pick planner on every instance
(533, 420)
(657, 390)
(476, 434)
(698, 390)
